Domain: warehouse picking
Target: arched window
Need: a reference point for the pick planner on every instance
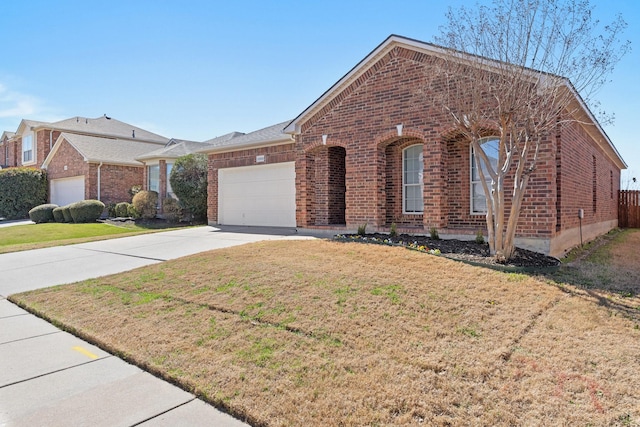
(490, 147)
(412, 179)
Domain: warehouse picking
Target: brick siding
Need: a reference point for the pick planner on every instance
(115, 180)
(362, 119)
(273, 154)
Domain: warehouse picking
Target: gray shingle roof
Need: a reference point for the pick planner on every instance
(113, 151)
(274, 133)
(223, 138)
(173, 151)
(103, 126)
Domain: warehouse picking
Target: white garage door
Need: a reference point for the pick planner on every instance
(67, 190)
(263, 195)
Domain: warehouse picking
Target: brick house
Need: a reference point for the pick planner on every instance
(85, 158)
(159, 163)
(370, 151)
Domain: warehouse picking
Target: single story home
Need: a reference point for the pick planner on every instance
(365, 153)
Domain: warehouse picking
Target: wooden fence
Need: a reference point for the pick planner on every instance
(629, 209)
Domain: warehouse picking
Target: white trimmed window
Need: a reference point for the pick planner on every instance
(27, 149)
(412, 179)
(478, 200)
(154, 178)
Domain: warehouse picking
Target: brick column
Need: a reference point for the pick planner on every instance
(305, 191)
(435, 185)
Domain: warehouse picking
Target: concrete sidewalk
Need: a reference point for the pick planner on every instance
(51, 378)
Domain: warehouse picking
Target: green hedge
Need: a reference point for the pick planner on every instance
(42, 213)
(58, 216)
(66, 214)
(86, 210)
(20, 190)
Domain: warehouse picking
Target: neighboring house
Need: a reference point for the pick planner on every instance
(7, 152)
(84, 158)
(159, 162)
(370, 151)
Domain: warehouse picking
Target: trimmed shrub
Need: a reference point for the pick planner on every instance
(146, 203)
(66, 214)
(42, 213)
(172, 210)
(86, 210)
(122, 209)
(133, 212)
(58, 216)
(189, 183)
(111, 210)
(20, 190)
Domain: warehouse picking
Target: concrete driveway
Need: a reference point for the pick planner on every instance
(49, 377)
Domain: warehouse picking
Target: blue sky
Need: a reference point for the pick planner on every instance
(199, 69)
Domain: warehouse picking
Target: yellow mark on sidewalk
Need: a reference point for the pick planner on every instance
(85, 352)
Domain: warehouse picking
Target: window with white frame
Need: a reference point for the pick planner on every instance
(27, 149)
(169, 189)
(154, 178)
(478, 199)
(412, 179)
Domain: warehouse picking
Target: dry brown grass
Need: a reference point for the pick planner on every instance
(323, 333)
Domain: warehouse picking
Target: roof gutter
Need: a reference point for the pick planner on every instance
(249, 146)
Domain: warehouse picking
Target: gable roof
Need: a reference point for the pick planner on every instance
(6, 135)
(271, 135)
(95, 149)
(100, 126)
(393, 41)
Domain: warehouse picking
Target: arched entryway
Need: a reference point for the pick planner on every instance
(330, 185)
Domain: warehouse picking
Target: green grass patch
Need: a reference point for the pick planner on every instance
(37, 236)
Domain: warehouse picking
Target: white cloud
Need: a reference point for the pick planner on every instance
(17, 105)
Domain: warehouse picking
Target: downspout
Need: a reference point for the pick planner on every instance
(50, 139)
(99, 166)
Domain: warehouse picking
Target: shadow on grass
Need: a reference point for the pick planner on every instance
(591, 272)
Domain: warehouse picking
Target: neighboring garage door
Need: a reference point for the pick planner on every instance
(67, 190)
(263, 195)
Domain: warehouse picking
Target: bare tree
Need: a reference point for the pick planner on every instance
(517, 70)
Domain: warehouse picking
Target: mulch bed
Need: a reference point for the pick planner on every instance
(469, 251)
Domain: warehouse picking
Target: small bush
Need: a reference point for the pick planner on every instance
(122, 209)
(172, 210)
(433, 233)
(66, 213)
(111, 210)
(479, 237)
(133, 212)
(362, 230)
(146, 203)
(86, 210)
(394, 230)
(58, 216)
(42, 213)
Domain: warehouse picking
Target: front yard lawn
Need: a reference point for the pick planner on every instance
(36, 236)
(320, 333)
